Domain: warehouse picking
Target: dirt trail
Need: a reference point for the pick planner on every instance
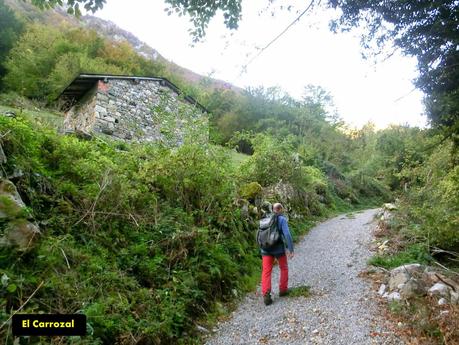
(342, 308)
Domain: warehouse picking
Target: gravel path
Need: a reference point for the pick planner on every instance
(342, 308)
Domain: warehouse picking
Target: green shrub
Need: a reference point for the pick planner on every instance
(368, 186)
(430, 208)
(271, 161)
(416, 253)
(250, 191)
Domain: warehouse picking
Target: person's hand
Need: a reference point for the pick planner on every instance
(290, 255)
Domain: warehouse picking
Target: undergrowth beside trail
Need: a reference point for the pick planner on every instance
(143, 239)
(424, 321)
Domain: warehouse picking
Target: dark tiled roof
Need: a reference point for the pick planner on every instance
(84, 82)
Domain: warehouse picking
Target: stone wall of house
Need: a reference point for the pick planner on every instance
(138, 110)
(82, 115)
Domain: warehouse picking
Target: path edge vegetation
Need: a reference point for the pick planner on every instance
(145, 210)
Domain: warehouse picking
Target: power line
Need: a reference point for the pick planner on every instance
(406, 95)
(278, 36)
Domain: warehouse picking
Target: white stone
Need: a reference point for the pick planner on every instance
(202, 329)
(412, 288)
(397, 278)
(442, 301)
(100, 110)
(410, 269)
(390, 206)
(394, 296)
(382, 289)
(439, 289)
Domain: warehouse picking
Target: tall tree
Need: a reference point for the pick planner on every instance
(426, 29)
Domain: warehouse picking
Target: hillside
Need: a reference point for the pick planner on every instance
(112, 32)
(167, 233)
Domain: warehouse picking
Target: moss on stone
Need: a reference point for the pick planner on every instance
(22, 233)
(250, 191)
(9, 209)
(11, 204)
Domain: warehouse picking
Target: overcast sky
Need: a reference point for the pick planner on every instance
(308, 53)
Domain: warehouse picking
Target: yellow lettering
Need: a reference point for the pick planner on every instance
(55, 324)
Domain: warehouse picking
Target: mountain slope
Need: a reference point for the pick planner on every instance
(111, 31)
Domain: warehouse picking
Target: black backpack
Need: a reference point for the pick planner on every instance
(268, 234)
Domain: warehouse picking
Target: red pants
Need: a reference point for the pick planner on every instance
(266, 273)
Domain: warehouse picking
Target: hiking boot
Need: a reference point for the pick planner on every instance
(267, 299)
(283, 293)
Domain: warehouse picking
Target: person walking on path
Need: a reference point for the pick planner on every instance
(280, 253)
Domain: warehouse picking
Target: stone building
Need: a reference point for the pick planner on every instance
(133, 109)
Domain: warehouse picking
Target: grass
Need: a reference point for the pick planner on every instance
(299, 291)
(415, 253)
(238, 158)
(40, 116)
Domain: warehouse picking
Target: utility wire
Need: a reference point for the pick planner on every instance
(244, 67)
(406, 95)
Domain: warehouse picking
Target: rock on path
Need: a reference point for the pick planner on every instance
(342, 308)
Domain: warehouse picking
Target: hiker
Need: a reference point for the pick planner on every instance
(279, 252)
